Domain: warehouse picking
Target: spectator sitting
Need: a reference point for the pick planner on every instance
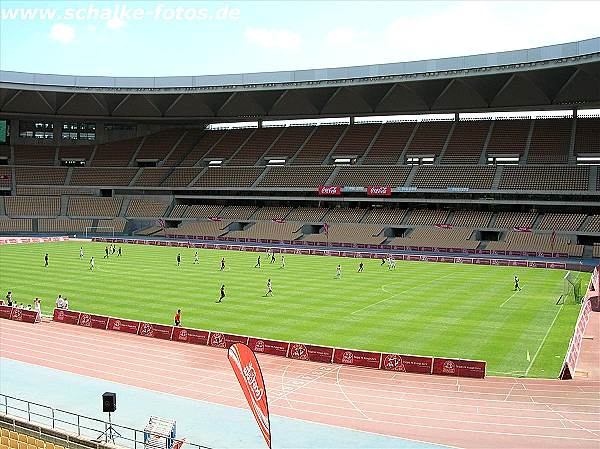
(60, 302)
(28, 306)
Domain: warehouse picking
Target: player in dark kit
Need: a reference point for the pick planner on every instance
(178, 259)
(46, 260)
(517, 283)
(272, 257)
(222, 295)
(257, 263)
(382, 261)
(223, 264)
(106, 252)
(360, 267)
(119, 255)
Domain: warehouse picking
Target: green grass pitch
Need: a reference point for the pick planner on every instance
(422, 308)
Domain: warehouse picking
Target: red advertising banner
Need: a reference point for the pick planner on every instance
(95, 321)
(407, 363)
(129, 326)
(357, 358)
(219, 340)
(272, 347)
(379, 191)
(458, 367)
(155, 331)
(312, 353)
(66, 316)
(248, 373)
(194, 336)
(6, 312)
(329, 190)
(24, 315)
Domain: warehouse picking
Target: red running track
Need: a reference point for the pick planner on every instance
(468, 413)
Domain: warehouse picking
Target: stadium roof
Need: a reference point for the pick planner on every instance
(560, 76)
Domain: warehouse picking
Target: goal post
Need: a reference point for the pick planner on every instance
(95, 230)
(572, 289)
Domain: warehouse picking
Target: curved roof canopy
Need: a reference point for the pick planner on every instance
(553, 77)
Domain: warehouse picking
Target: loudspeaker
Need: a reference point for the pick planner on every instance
(109, 402)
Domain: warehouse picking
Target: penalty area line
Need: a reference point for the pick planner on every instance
(511, 297)
(543, 340)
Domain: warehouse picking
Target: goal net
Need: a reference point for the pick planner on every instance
(103, 230)
(572, 292)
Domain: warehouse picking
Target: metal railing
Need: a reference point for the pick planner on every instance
(76, 424)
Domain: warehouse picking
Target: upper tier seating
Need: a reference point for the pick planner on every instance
(151, 177)
(470, 218)
(593, 224)
(550, 141)
(36, 176)
(272, 213)
(510, 220)
(296, 176)
(528, 241)
(229, 177)
(307, 214)
(202, 211)
(5, 176)
(429, 138)
(53, 191)
(385, 216)
(146, 208)
(561, 222)
(76, 152)
(229, 144)
(94, 207)
(344, 215)
(102, 176)
(238, 212)
(157, 146)
(587, 136)
(185, 146)
(346, 233)
(390, 143)
(181, 177)
(290, 141)
(116, 154)
(34, 155)
(32, 206)
(426, 217)
(466, 142)
(437, 238)
(320, 144)
(360, 175)
(268, 230)
(442, 177)
(544, 178)
(509, 137)
(256, 146)
(356, 140)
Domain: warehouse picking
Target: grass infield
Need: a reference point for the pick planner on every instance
(421, 308)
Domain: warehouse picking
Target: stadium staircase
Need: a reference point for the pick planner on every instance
(407, 146)
(497, 177)
(572, 157)
(136, 152)
(327, 160)
(373, 140)
(440, 157)
(299, 150)
(525, 157)
(239, 148)
(593, 179)
(136, 176)
(261, 177)
(173, 148)
(197, 177)
(483, 155)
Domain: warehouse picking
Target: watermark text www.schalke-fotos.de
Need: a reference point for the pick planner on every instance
(167, 11)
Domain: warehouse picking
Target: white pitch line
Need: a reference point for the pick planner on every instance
(543, 340)
(511, 296)
(398, 294)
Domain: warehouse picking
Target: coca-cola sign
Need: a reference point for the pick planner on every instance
(379, 191)
(330, 190)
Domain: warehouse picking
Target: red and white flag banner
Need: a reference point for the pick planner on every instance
(522, 229)
(246, 368)
(444, 226)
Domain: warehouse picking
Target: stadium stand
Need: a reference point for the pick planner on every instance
(587, 136)
(115, 154)
(118, 224)
(151, 177)
(238, 212)
(93, 207)
(320, 144)
(5, 176)
(296, 177)
(470, 219)
(75, 152)
(157, 146)
(429, 138)
(181, 177)
(202, 211)
(390, 143)
(140, 207)
(34, 155)
(56, 225)
(550, 141)
(592, 225)
(256, 146)
(229, 177)
(289, 142)
(371, 176)
(229, 143)
(11, 439)
(344, 215)
(426, 217)
(510, 220)
(346, 233)
(32, 206)
(307, 214)
(182, 153)
(35, 176)
(54, 191)
(356, 141)
(596, 251)
(459, 176)
(528, 241)
(509, 137)
(178, 211)
(200, 228)
(102, 176)
(385, 216)
(561, 222)
(269, 230)
(437, 238)
(466, 143)
(544, 178)
(15, 225)
(272, 213)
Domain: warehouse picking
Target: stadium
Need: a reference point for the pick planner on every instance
(409, 249)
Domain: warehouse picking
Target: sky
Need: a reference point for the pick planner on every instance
(177, 37)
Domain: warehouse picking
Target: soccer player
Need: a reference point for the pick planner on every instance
(119, 254)
(92, 263)
(46, 260)
(80, 252)
(106, 252)
(391, 263)
(282, 261)
(517, 283)
(338, 272)
(178, 259)
(222, 264)
(178, 318)
(360, 267)
(383, 261)
(257, 263)
(196, 260)
(272, 257)
(222, 294)
(113, 249)
(269, 288)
